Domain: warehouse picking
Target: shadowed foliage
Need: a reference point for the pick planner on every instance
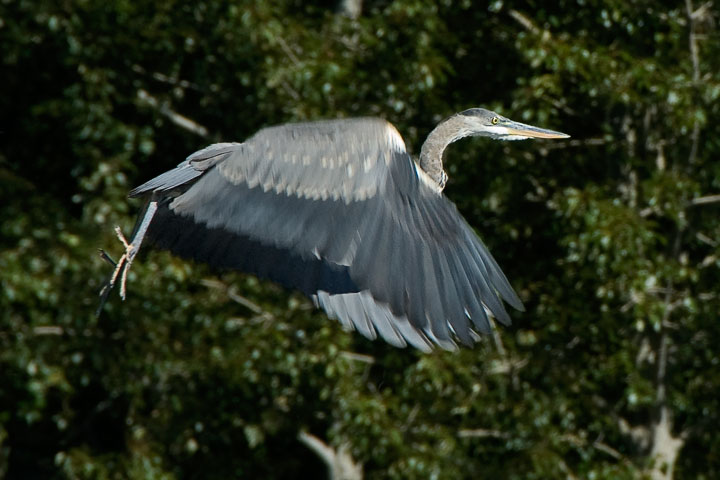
(610, 239)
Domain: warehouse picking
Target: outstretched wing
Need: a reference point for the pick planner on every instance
(339, 210)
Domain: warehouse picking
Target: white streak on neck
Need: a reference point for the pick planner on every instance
(426, 179)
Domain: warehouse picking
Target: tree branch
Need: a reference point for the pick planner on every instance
(705, 200)
(161, 77)
(232, 294)
(358, 357)
(523, 20)
(597, 444)
(179, 120)
(48, 330)
(695, 57)
(483, 433)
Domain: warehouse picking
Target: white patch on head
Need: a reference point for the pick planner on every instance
(497, 130)
(504, 133)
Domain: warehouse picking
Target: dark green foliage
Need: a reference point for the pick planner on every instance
(611, 238)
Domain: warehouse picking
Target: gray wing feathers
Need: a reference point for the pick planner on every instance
(327, 229)
(359, 311)
(187, 171)
(335, 159)
(168, 181)
(212, 154)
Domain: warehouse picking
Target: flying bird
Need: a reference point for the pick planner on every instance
(339, 210)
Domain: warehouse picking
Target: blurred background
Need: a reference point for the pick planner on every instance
(610, 237)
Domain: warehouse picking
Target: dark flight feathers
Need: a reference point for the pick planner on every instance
(338, 210)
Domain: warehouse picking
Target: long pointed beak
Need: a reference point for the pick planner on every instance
(523, 130)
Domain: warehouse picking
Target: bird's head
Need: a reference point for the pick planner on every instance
(486, 123)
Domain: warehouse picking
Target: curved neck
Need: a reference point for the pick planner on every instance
(431, 154)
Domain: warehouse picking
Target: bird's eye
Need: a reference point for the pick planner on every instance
(494, 120)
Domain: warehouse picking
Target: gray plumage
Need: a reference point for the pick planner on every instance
(339, 210)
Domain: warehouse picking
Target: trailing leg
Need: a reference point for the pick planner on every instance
(123, 264)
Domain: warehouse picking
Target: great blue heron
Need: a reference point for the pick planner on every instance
(339, 210)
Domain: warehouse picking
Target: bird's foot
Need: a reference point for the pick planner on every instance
(122, 266)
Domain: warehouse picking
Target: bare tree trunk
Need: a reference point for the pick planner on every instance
(341, 465)
(350, 8)
(665, 447)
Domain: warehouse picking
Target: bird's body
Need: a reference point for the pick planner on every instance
(340, 211)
